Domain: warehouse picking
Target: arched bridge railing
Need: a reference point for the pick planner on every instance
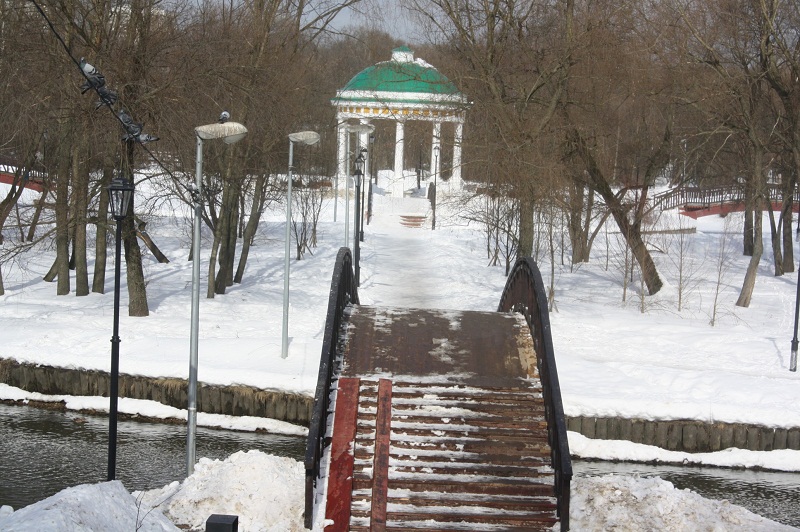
(343, 292)
(704, 197)
(524, 293)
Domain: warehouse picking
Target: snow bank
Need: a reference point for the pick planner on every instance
(266, 492)
(614, 502)
(89, 507)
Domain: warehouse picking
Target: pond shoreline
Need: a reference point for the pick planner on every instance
(674, 435)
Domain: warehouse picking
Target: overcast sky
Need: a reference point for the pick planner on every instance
(384, 14)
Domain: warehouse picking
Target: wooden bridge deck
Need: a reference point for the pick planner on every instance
(439, 425)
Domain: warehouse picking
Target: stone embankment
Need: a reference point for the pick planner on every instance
(687, 436)
(680, 435)
(231, 400)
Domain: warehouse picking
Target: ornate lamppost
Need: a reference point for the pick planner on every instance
(359, 164)
(121, 196)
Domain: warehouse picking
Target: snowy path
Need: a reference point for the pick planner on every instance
(402, 266)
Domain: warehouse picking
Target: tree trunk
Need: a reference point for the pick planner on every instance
(212, 266)
(62, 228)
(37, 213)
(137, 289)
(757, 180)
(142, 233)
(226, 234)
(747, 235)
(101, 234)
(786, 220)
(752, 268)
(80, 199)
(775, 238)
(252, 226)
(575, 226)
(137, 292)
(525, 248)
(631, 232)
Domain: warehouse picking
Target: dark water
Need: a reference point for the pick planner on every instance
(774, 495)
(44, 451)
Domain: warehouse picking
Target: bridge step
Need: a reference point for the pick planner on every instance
(453, 458)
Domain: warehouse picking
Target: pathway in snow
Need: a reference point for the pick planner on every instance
(396, 269)
(408, 267)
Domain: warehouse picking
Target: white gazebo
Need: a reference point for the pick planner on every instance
(402, 89)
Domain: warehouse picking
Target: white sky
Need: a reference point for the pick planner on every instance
(387, 15)
(612, 358)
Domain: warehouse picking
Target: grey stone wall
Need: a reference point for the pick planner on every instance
(687, 436)
(230, 400)
(680, 435)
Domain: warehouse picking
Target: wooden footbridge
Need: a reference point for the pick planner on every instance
(438, 420)
(720, 200)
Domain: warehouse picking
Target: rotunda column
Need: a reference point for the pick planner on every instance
(397, 182)
(455, 176)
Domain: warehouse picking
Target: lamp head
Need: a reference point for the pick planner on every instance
(359, 164)
(121, 196)
(229, 132)
(305, 137)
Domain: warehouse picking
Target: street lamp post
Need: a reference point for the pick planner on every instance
(304, 137)
(351, 128)
(435, 175)
(121, 195)
(359, 164)
(793, 360)
(365, 164)
(229, 132)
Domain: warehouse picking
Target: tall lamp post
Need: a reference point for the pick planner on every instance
(435, 174)
(793, 360)
(359, 164)
(365, 166)
(121, 195)
(229, 132)
(304, 137)
(360, 129)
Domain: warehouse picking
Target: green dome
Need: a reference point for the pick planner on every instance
(401, 74)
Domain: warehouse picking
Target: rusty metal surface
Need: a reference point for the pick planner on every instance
(473, 348)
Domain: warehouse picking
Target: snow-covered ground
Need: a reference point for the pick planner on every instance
(636, 358)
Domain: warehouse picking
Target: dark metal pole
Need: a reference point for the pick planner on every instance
(356, 246)
(369, 207)
(114, 391)
(793, 360)
(361, 219)
(435, 175)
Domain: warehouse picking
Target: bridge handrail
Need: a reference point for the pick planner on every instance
(723, 194)
(524, 292)
(342, 293)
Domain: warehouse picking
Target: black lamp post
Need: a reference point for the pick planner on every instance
(364, 155)
(121, 196)
(359, 164)
(793, 359)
